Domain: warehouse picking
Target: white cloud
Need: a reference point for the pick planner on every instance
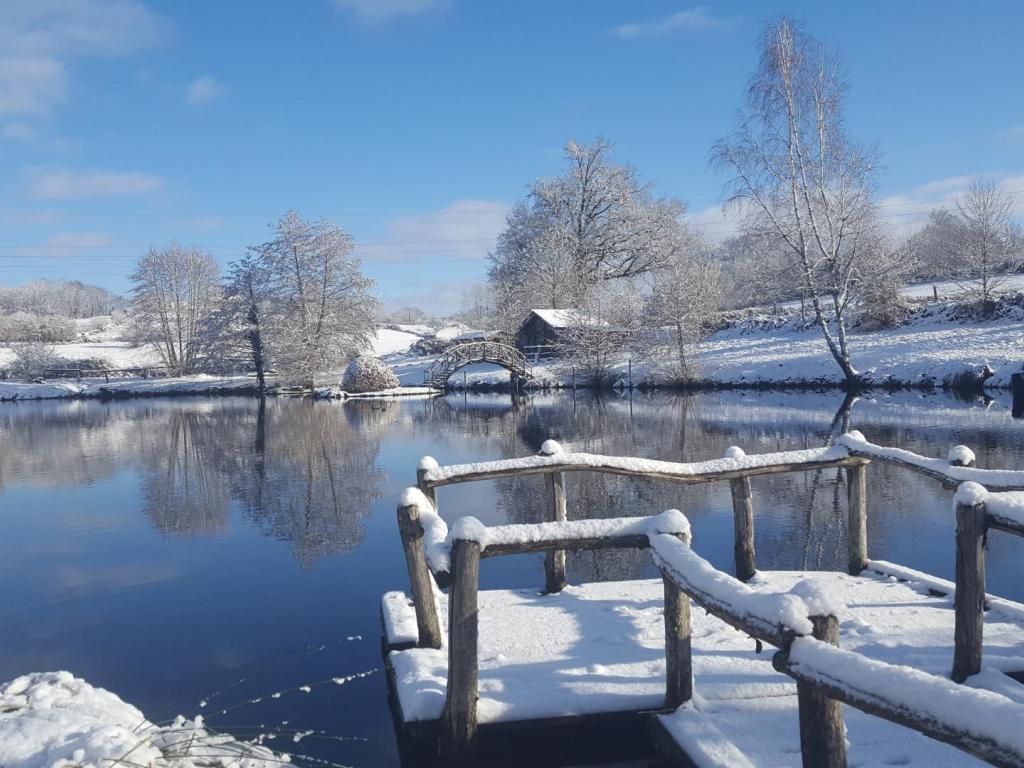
(463, 230)
(380, 11)
(18, 131)
(716, 223)
(30, 84)
(692, 20)
(1013, 133)
(908, 211)
(66, 244)
(64, 185)
(204, 89)
(37, 37)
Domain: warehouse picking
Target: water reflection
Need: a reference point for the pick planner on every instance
(131, 529)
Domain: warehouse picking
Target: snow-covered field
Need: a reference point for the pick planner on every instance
(917, 353)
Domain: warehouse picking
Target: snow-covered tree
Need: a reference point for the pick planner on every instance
(240, 325)
(595, 222)
(989, 244)
(686, 294)
(800, 181)
(175, 293)
(322, 307)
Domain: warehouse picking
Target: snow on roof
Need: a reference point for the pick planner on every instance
(563, 318)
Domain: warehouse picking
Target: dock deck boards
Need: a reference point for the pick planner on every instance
(598, 648)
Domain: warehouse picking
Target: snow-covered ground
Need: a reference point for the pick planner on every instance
(926, 350)
(599, 647)
(930, 350)
(55, 720)
(200, 384)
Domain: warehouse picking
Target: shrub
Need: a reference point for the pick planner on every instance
(31, 358)
(368, 374)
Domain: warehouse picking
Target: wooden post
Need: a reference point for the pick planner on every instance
(743, 528)
(822, 730)
(554, 560)
(678, 654)
(969, 600)
(411, 531)
(421, 482)
(460, 726)
(857, 519)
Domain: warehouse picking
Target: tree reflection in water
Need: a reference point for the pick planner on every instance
(304, 471)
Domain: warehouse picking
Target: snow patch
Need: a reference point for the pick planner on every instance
(550, 448)
(962, 455)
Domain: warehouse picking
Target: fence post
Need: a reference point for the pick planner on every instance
(411, 531)
(460, 725)
(822, 730)
(969, 600)
(678, 652)
(744, 556)
(554, 560)
(857, 519)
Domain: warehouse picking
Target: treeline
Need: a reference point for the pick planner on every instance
(42, 310)
(297, 304)
(597, 241)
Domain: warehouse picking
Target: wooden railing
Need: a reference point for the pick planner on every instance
(977, 512)
(434, 554)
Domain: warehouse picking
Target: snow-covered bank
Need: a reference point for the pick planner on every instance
(55, 720)
(200, 384)
(937, 348)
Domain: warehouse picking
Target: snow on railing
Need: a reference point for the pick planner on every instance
(979, 722)
(951, 471)
(561, 461)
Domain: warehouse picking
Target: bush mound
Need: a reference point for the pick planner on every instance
(368, 374)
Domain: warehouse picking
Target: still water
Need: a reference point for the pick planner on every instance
(178, 551)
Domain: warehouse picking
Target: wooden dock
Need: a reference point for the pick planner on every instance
(627, 670)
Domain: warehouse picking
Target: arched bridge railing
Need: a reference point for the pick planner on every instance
(462, 355)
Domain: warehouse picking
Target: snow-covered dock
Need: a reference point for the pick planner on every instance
(759, 677)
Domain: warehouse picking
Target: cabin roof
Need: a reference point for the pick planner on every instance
(565, 318)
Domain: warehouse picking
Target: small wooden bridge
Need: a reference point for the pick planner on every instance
(883, 647)
(508, 357)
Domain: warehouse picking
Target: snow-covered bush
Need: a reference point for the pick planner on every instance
(31, 358)
(368, 374)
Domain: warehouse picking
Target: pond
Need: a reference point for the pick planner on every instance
(181, 551)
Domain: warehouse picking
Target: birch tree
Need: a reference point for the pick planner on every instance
(323, 309)
(175, 293)
(799, 180)
(988, 240)
(684, 297)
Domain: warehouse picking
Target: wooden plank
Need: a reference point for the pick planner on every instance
(1005, 524)
(459, 735)
(411, 532)
(727, 474)
(554, 560)
(857, 519)
(678, 650)
(822, 729)
(969, 598)
(744, 556)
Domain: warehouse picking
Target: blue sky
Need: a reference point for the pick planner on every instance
(414, 124)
